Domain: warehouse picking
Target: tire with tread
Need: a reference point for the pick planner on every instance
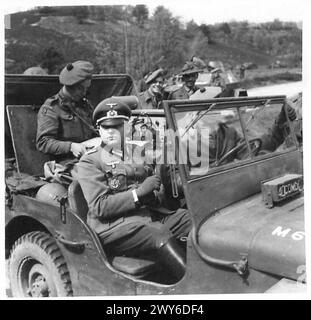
(37, 263)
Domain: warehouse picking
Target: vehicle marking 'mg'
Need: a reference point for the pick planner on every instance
(289, 188)
(280, 232)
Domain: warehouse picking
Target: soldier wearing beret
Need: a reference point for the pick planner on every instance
(189, 74)
(152, 97)
(123, 195)
(65, 119)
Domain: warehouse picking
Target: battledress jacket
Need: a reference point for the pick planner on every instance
(182, 93)
(107, 183)
(148, 101)
(60, 124)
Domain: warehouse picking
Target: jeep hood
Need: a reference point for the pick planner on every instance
(272, 239)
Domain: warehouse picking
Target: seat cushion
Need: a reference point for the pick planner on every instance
(133, 266)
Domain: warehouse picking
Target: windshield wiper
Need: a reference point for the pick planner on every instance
(197, 117)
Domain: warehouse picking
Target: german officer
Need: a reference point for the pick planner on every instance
(152, 97)
(189, 74)
(65, 119)
(123, 195)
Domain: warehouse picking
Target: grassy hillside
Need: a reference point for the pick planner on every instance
(116, 47)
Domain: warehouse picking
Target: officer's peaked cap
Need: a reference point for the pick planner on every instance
(114, 111)
(76, 72)
(153, 75)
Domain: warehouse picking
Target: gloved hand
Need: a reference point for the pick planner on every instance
(149, 185)
(149, 199)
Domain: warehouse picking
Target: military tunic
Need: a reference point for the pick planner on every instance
(148, 101)
(107, 183)
(182, 93)
(60, 124)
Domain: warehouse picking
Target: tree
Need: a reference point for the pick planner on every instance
(50, 58)
(191, 30)
(206, 30)
(141, 13)
(225, 28)
(80, 12)
(166, 39)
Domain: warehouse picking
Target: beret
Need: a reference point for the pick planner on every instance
(114, 111)
(153, 75)
(76, 72)
(189, 68)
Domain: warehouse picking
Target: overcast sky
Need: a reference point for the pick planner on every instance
(201, 11)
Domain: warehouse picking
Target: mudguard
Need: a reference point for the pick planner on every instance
(271, 239)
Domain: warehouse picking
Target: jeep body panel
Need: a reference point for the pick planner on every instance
(234, 181)
(231, 221)
(89, 270)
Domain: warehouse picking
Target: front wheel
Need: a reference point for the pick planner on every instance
(37, 267)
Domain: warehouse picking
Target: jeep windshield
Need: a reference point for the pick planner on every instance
(230, 146)
(229, 132)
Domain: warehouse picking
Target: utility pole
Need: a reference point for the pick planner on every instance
(125, 43)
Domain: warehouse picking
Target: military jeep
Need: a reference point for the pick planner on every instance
(248, 220)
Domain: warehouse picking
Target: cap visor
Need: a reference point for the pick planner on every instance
(112, 122)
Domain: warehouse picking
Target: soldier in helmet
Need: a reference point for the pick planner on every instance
(123, 195)
(189, 74)
(152, 97)
(65, 119)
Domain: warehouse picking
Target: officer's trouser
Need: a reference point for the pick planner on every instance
(138, 239)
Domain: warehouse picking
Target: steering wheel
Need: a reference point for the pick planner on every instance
(255, 145)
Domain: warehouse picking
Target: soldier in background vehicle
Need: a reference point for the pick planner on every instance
(217, 79)
(189, 75)
(36, 71)
(152, 97)
(65, 119)
(124, 196)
